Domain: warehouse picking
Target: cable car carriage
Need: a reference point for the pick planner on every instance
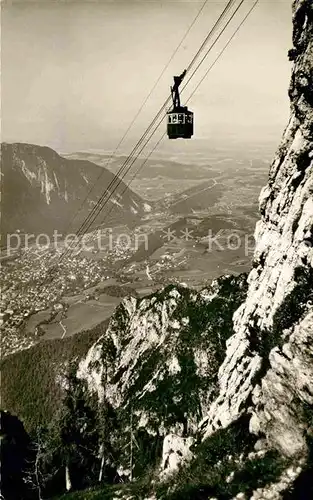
(179, 118)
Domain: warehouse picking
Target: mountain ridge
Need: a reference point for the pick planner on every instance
(43, 192)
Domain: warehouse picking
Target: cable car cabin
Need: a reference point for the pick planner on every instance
(179, 119)
(180, 123)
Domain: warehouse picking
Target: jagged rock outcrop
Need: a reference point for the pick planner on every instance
(268, 368)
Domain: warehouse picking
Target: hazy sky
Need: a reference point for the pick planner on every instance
(75, 73)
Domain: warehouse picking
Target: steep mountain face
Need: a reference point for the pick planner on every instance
(156, 366)
(41, 191)
(266, 373)
(274, 328)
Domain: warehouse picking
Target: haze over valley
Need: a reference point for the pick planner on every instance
(156, 308)
(187, 222)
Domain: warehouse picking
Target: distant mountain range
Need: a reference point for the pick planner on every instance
(151, 166)
(42, 191)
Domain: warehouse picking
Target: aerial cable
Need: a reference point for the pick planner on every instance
(99, 206)
(83, 229)
(222, 51)
(102, 202)
(199, 83)
(205, 41)
(139, 110)
(95, 211)
(160, 121)
(224, 48)
(213, 44)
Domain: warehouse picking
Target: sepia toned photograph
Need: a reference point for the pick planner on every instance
(156, 261)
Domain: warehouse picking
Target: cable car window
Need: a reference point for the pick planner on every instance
(174, 118)
(169, 119)
(190, 119)
(181, 118)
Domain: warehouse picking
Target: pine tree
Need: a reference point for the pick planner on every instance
(68, 450)
(77, 428)
(108, 430)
